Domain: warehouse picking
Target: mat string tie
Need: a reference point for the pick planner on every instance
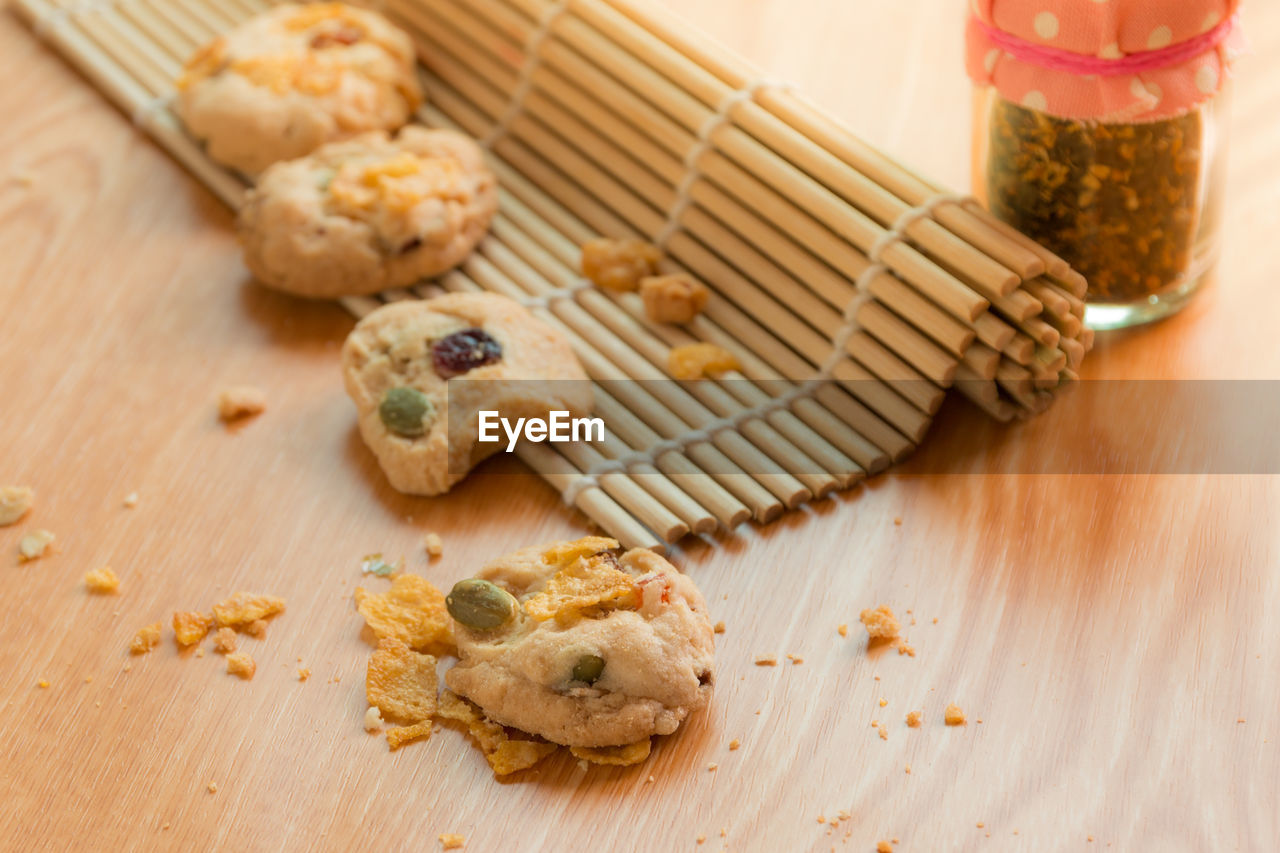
(59, 15)
(839, 342)
(148, 109)
(524, 84)
(702, 144)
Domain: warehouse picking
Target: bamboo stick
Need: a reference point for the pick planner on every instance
(814, 124)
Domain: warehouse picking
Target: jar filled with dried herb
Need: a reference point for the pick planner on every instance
(1099, 131)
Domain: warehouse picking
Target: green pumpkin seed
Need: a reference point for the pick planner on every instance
(404, 411)
(588, 668)
(480, 605)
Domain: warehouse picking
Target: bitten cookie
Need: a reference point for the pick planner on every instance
(397, 363)
(583, 648)
(289, 80)
(361, 216)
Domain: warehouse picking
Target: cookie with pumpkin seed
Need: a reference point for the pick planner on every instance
(582, 646)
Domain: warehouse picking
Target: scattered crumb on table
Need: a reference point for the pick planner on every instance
(449, 841)
(102, 581)
(880, 623)
(224, 640)
(719, 629)
(145, 640)
(372, 719)
(434, 545)
(914, 718)
(795, 659)
(843, 630)
(15, 502)
(34, 545)
(240, 401)
(42, 684)
(239, 663)
(884, 847)
(953, 715)
(303, 673)
(213, 787)
(131, 500)
(734, 744)
(767, 661)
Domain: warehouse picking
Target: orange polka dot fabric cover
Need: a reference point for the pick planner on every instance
(1105, 60)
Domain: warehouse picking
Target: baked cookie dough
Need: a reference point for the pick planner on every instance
(397, 362)
(568, 642)
(289, 80)
(373, 212)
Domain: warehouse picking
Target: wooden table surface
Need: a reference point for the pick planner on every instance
(1116, 636)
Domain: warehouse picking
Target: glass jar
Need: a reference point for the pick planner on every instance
(1134, 207)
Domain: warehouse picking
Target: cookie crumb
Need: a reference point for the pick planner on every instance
(102, 581)
(303, 673)
(15, 502)
(719, 628)
(256, 629)
(434, 545)
(897, 521)
(650, 779)
(224, 641)
(695, 361)
(843, 630)
(822, 819)
(240, 401)
(953, 715)
(190, 627)
(701, 839)
(880, 623)
(213, 787)
(42, 684)
(130, 500)
(908, 768)
(795, 659)
(239, 663)
(164, 825)
(449, 841)
(914, 718)
(734, 744)
(619, 264)
(145, 640)
(711, 768)
(884, 847)
(904, 648)
(372, 720)
(767, 661)
(980, 824)
(884, 702)
(34, 545)
(675, 298)
(1240, 720)
(884, 732)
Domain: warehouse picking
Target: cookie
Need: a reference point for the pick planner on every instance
(373, 212)
(423, 429)
(289, 80)
(568, 642)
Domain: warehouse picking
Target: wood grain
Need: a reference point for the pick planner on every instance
(1108, 631)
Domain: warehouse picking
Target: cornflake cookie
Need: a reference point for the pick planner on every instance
(289, 80)
(582, 648)
(15, 502)
(397, 363)
(373, 212)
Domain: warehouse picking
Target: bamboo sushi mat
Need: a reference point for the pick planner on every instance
(853, 292)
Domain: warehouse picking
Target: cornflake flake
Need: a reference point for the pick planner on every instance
(411, 611)
(244, 608)
(145, 640)
(505, 755)
(239, 663)
(190, 627)
(617, 756)
(401, 735)
(401, 683)
(587, 585)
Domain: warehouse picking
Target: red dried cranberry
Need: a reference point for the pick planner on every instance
(464, 351)
(345, 36)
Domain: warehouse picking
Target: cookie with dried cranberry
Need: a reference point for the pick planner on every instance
(368, 214)
(582, 647)
(289, 80)
(399, 360)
